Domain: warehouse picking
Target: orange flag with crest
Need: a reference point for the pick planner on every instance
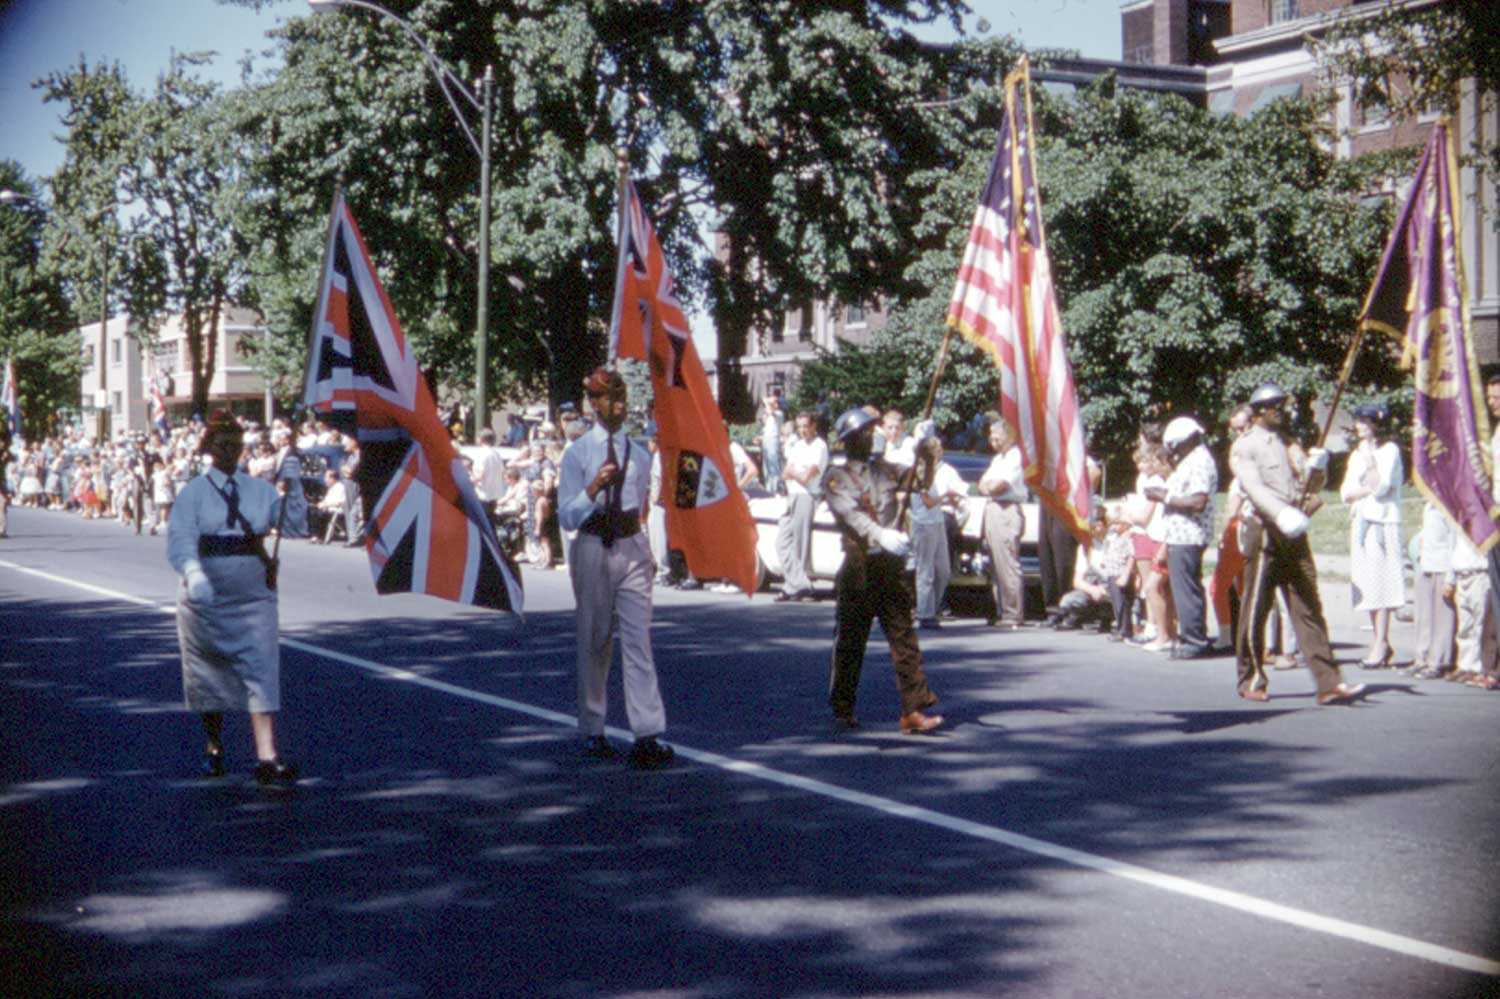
(708, 519)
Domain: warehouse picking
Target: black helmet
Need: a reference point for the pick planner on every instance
(1269, 394)
(852, 422)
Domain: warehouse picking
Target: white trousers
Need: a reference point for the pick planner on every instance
(929, 547)
(613, 589)
(1471, 598)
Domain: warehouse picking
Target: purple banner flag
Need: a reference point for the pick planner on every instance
(1419, 298)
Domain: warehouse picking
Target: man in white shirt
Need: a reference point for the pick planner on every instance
(489, 469)
(331, 507)
(770, 441)
(1004, 483)
(806, 463)
(899, 449)
(1187, 527)
(603, 487)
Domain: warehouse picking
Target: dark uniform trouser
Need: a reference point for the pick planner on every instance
(867, 587)
(1272, 560)
(1057, 552)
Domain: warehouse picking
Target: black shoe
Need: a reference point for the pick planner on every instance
(213, 764)
(1193, 652)
(274, 773)
(929, 624)
(600, 748)
(690, 584)
(648, 754)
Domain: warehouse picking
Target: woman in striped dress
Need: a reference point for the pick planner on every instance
(1372, 488)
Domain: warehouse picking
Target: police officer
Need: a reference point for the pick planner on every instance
(1273, 537)
(861, 494)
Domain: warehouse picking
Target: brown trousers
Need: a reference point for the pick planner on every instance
(867, 587)
(1271, 561)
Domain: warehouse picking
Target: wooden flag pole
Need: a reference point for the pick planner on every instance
(908, 478)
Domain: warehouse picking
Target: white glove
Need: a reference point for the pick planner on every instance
(1291, 522)
(199, 589)
(893, 542)
(1317, 459)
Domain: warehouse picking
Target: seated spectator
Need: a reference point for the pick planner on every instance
(325, 516)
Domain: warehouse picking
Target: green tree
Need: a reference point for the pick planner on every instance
(35, 328)
(169, 159)
(1409, 59)
(790, 122)
(1194, 256)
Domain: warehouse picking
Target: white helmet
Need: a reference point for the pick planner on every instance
(1179, 431)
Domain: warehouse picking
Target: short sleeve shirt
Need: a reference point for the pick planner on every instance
(1195, 474)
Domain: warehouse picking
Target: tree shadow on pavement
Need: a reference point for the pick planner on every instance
(443, 846)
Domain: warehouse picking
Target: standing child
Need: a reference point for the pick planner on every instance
(1435, 617)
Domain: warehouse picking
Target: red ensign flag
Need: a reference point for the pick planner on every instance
(707, 516)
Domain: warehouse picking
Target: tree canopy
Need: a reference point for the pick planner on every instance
(35, 327)
(788, 122)
(1194, 255)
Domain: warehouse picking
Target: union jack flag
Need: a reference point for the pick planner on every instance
(426, 531)
(1005, 303)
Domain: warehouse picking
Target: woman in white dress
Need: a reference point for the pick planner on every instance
(1372, 488)
(226, 608)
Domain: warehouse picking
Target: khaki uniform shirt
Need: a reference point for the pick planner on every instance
(862, 498)
(1263, 466)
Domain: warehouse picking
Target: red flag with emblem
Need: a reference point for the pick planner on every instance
(707, 516)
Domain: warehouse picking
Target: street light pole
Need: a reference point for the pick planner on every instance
(447, 79)
(105, 414)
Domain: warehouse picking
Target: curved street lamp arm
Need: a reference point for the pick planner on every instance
(446, 78)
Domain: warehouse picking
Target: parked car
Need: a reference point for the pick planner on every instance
(970, 581)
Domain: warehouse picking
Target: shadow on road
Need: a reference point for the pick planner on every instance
(442, 846)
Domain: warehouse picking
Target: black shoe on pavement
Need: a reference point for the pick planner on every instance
(600, 748)
(274, 773)
(1184, 651)
(213, 764)
(648, 754)
(929, 624)
(690, 584)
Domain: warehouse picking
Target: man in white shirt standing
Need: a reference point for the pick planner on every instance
(1004, 483)
(489, 470)
(1187, 527)
(770, 441)
(603, 487)
(898, 447)
(806, 463)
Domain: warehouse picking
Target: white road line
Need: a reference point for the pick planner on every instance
(1394, 942)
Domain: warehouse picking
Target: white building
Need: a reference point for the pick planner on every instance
(123, 387)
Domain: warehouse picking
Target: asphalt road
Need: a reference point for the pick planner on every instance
(1094, 820)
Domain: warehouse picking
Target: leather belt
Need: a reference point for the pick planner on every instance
(221, 545)
(611, 527)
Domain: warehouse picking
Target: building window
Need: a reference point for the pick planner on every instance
(114, 352)
(118, 403)
(798, 323)
(854, 315)
(778, 383)
(1369, 108)
(1283, 10)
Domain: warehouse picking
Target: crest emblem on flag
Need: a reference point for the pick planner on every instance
(426, 531)
(700, 483)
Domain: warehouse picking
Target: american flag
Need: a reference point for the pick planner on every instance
(1005, 303)
(426, 531)
(708, 519)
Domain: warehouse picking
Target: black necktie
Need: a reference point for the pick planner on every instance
(612, 491)
(611, 496)
(232, 498)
